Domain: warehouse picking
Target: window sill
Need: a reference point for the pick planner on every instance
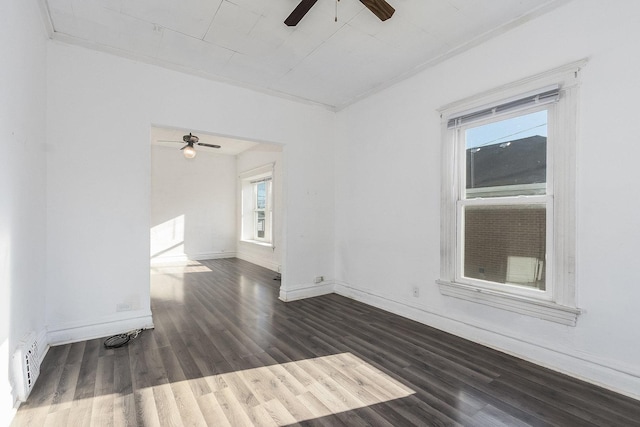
(258, 243)
(546, 310)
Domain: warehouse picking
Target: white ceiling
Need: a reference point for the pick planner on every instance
(245, 42)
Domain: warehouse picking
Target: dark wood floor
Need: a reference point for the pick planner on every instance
(225, 351)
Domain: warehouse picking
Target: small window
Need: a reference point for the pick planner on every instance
(262, 209)
(508, 197)
(257, 205)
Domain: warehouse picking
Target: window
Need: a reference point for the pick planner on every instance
(508, 197)
(262, 209)
(503, 207)
(256, 187)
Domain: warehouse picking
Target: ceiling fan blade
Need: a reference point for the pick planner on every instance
(184, 147)
(208, 145)
(299, 12)
(380, 8)
(168, 140)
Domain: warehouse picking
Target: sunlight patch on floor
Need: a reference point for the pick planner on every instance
(274, 395)
(292, 392)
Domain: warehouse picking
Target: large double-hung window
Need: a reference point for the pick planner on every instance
(508, 197)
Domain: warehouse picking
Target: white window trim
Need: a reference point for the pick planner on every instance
(245, 178)
(559, 304)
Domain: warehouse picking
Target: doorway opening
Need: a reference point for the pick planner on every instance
(200, 205)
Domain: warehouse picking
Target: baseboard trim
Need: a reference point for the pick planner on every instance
(212, 255)
(620, 379)
(273, 266)
(170, 259)
(70, 333)
(306, 291)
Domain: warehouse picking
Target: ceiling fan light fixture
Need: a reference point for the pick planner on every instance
(189, 152)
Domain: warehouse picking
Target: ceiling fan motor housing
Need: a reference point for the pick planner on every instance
(190, 139)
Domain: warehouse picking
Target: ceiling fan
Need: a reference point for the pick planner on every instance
(380, 8)
(191, 140)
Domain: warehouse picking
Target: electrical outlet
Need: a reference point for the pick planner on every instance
(416, 291)
(319, 279)
(123, 307)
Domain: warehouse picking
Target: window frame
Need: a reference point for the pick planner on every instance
(248, 184)
(558, 303)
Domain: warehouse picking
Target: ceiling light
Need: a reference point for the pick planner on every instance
(189, 152)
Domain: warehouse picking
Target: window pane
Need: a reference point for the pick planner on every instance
(506, 244)
(508, 157)
(260, 225)
(261, 195)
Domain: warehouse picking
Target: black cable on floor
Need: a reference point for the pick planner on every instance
(121, 339)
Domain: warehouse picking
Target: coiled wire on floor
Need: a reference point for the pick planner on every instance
(119, 340)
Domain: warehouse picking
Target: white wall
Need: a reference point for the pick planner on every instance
(22, 181)
(100, 109)
(266, 256)
(387, 217)
(193, 205)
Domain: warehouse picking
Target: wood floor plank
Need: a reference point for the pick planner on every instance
(103, 401)
(281, 374)
(144, 404)
(80, 411)
(225, 351)
(124, 405)
(124, 411)
(260, 417)
(211, 411)
(232, 408)
(491, 416)
(68, 379)
(57, 418)
(279, 413)
(166, 405)
(187, 404)
(85, 387)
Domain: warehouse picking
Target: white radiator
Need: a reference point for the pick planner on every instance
(26, 366)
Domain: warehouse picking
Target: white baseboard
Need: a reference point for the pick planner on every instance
(620, 379)
(306, 291)
(103, 327)
(170, 259)
(212, 255)
(266, 263)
